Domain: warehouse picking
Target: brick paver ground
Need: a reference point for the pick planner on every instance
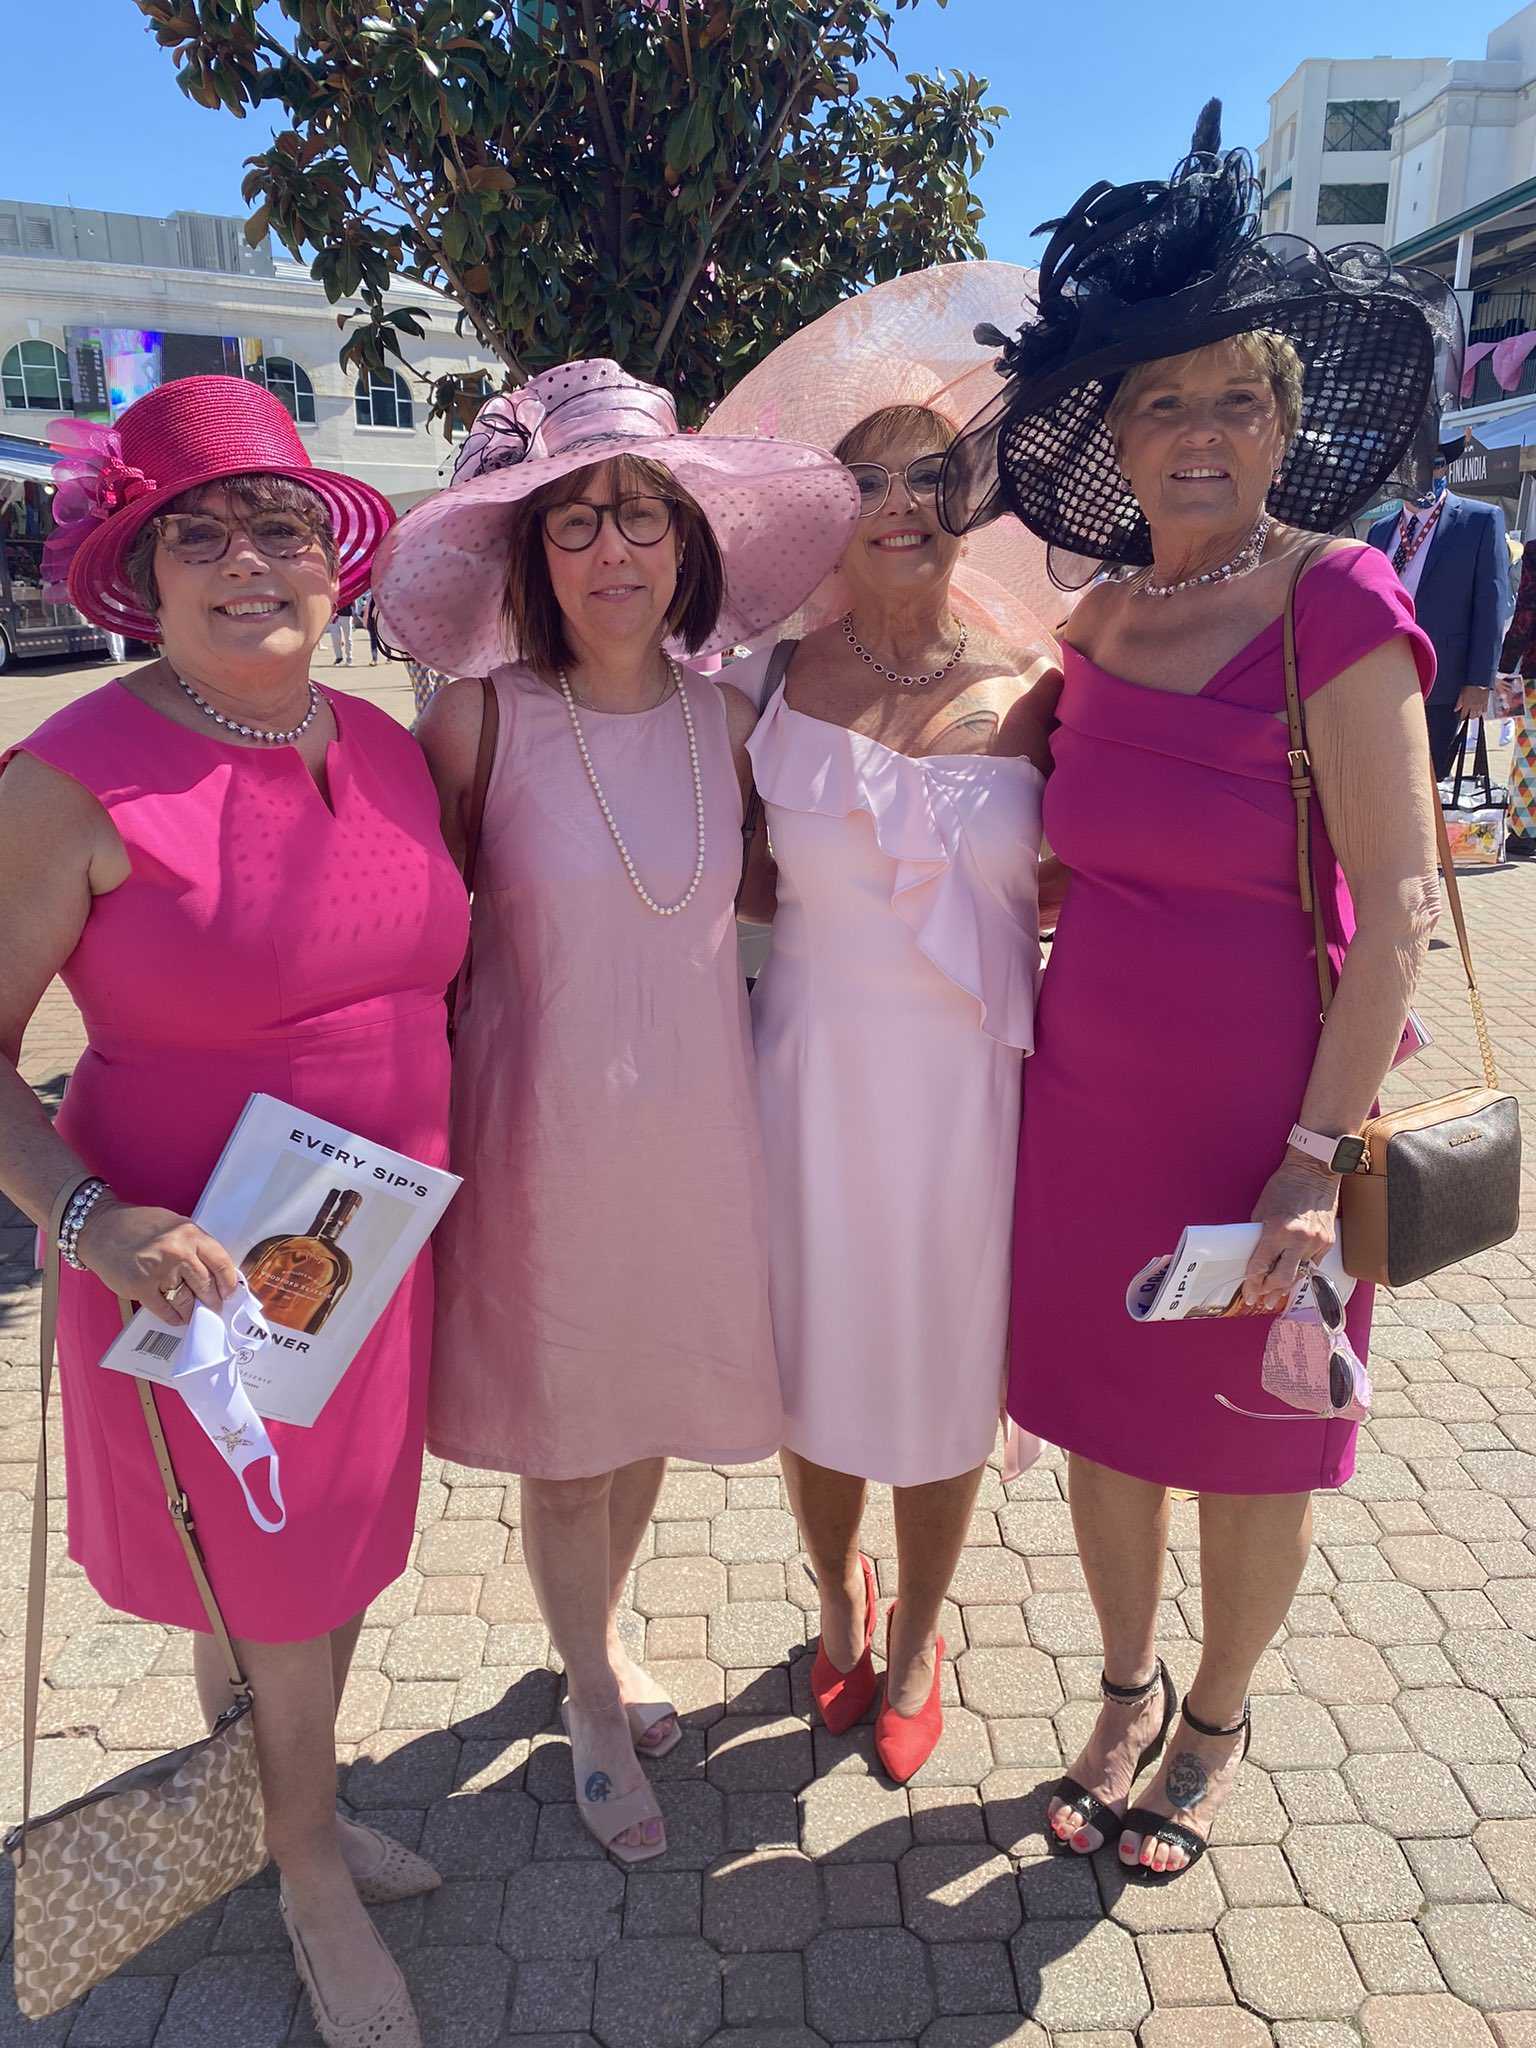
(1373, 1878)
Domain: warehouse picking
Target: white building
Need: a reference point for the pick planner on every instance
(95, 304)
(1327, 159)
(1467, 133)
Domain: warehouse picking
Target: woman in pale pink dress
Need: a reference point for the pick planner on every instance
(603, 1276)
(899, 762)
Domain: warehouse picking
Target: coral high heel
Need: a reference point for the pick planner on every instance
(843, 1697)
(904, 1742)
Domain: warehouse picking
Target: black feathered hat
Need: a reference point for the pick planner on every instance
(1136, 272)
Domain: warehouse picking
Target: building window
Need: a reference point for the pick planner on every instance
(35, 378)
(1359, 124)
(37, 232)
(1349, 205)
(383, 400)
(289, 383)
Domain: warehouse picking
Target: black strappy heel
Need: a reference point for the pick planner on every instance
(1096, 1812)
(1161, 1827)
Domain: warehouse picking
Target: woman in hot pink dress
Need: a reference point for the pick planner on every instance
(604, 1273)
(242, 880)
(1197, 403)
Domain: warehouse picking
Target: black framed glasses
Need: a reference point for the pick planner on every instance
(921, 477)
(575, 525)
(201, 537)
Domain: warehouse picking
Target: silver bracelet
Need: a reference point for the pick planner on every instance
(81, 1203)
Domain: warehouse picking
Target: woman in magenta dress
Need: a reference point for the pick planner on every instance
(242, 880)
(1196, 404)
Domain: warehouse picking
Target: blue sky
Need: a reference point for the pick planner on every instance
(90, 112)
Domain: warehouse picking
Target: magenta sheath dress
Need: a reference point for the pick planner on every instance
(264, 941)
(1175, 1033)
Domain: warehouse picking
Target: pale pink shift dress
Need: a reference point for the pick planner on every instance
(603, 1275)
(892, 1021)
(265, 941)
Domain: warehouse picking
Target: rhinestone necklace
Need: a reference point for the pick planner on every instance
(661, 909)
(263, 733)
(906, 682)
(1246, 558)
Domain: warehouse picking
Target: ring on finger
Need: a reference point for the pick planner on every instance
(177, 1287)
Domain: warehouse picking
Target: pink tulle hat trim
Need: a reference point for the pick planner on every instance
(781, 515)
(191, 432)
(909, 341)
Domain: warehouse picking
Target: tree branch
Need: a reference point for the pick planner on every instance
(728, 206)
(495, 342)
(613, 198)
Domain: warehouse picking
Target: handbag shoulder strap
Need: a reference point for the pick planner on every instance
(37, 1569)
(485, 760)
(773, 675)
(474, 822)
(1300, 762)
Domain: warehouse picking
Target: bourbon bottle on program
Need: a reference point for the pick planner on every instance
(299, 1280)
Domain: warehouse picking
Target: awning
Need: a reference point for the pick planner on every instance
(1512, 429)
(28, 460)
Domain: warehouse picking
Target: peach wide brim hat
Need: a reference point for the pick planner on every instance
(909, 341)
(781, 515)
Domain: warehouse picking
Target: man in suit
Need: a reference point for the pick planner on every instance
(1449, 553)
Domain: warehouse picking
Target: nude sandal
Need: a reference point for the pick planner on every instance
(605, 1820)
(647, 1717)
(391, 2024)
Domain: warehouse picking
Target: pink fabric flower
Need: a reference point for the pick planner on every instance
(92, 482)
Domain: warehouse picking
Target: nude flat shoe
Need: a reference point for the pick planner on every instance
(391, 2023)
(396, 1872)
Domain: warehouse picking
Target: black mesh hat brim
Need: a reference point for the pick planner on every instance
(1367, 349)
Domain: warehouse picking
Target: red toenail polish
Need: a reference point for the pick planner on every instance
(1080, 1839)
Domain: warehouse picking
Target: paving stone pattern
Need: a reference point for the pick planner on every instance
(1373, 1875)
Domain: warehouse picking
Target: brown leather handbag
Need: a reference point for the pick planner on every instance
(99, 1879)
(1440, 1180)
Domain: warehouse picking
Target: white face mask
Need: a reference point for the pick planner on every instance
(206, 1374)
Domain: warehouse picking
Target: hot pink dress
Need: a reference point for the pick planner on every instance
(263, 942)
(1177, 1027)
(603, 1273)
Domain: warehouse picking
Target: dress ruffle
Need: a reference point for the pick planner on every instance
(925, 812)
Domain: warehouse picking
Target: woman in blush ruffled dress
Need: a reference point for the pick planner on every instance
(900, 760)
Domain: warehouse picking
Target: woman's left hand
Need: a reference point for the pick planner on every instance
(1297, 1211)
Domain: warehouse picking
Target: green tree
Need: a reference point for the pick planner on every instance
(678, 183)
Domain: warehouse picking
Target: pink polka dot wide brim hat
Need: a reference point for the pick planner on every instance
(781, 515)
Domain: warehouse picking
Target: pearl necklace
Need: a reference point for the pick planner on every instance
(1246, 558)
(264, 733)
(682, 903)
(906, 682)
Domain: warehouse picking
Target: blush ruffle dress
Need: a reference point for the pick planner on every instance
(891, 1024)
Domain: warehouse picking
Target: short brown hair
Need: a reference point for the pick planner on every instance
(247, 494)
(1266, 353)
(892, 423)
(530, 611)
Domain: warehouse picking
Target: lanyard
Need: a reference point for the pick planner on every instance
(1409, 548)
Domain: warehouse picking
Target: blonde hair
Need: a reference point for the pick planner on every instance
(1268, 354)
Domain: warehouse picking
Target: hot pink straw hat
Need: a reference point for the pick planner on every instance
(909, 341)
(781, 516)
(193, 431)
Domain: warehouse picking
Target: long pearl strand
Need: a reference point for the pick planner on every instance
(682, 903)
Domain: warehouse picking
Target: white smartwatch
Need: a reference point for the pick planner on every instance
(1339, 1155)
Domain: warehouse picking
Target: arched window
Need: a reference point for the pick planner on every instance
(35, 378)
(383, 400)
(289, 383)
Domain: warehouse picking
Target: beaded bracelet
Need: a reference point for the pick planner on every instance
(81, 1203)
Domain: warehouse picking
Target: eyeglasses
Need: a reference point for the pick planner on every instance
(201, 537)
(575, 525)
(921, 477)
(1310, 1364)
